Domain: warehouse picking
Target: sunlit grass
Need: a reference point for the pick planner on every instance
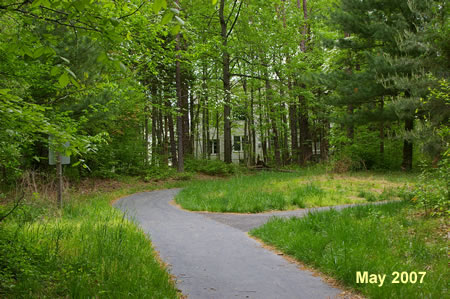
(378, 239)
(284, 191)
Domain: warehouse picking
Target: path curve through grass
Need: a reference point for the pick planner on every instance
(211, 255)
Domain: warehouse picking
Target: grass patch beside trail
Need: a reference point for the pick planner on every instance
(378, 239)
(283, 191)
(89, 251)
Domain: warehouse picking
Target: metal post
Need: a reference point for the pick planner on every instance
(60, 181)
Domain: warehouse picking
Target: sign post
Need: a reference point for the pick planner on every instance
(60, 180)
(55, 158)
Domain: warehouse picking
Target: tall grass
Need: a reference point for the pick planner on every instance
(378, 239)
(91, 250)
(282, 191)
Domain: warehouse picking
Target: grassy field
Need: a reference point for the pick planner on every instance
(283, 191)
(88, 250)
(378, 239)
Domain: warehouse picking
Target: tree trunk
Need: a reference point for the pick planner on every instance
(208, 137)
(193, 120)
(408, 146)
(180, 165)
(173, 146)
(324, 145)
(226, 85)
(146, 133)
(252, 127)
(247, 133)
(154, 124)
(205, 140)
(261, 127)
(272, 119)
(284, 133)
(305, 146)
(350, 108)
(185, 117)
(293, 129)
(305, 135)
(166, 142)
(305, 25)
(382, 129)
(218, 134)
(160, 129)
(350, 127)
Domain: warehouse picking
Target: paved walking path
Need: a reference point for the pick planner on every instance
(211, 255)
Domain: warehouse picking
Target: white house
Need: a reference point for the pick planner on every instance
(216, 147)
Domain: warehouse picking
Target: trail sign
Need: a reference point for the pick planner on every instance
(52, 156)
(55, 158)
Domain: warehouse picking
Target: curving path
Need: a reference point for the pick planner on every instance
(211, 255)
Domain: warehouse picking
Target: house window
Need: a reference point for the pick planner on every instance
(213, 146)
(237, 144)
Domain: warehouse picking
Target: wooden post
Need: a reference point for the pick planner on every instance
(59, 175)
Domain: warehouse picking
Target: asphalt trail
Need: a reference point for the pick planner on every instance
(211, 255)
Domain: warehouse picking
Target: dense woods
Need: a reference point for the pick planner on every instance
(136, 86)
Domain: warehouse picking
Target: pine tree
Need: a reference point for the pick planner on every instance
(382, 70)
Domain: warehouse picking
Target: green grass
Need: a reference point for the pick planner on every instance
(284, 191)
(378, 239)
(92, 250)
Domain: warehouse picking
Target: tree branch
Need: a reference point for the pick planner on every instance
(235, 19)
(231, 12)
(130, 14)
(16, 204)
(248, 76)
(90, 28)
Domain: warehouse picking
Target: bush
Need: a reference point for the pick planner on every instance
(371, 197)
(432, 191)
(158, 173)
(211, 167)
(363, 151)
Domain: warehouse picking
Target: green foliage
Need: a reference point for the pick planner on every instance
(432, 191)
(368, 195)
(387, 194)
(211, 167)
(66, 77)
(157, 173)
(379, 239)
(389, 62)
(432, 132)
(363, 152)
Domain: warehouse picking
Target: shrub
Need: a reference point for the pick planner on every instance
(432, 191)
(157, 173)
(368, 195)
(211, 167)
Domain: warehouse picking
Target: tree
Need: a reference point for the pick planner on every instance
(373, 31)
